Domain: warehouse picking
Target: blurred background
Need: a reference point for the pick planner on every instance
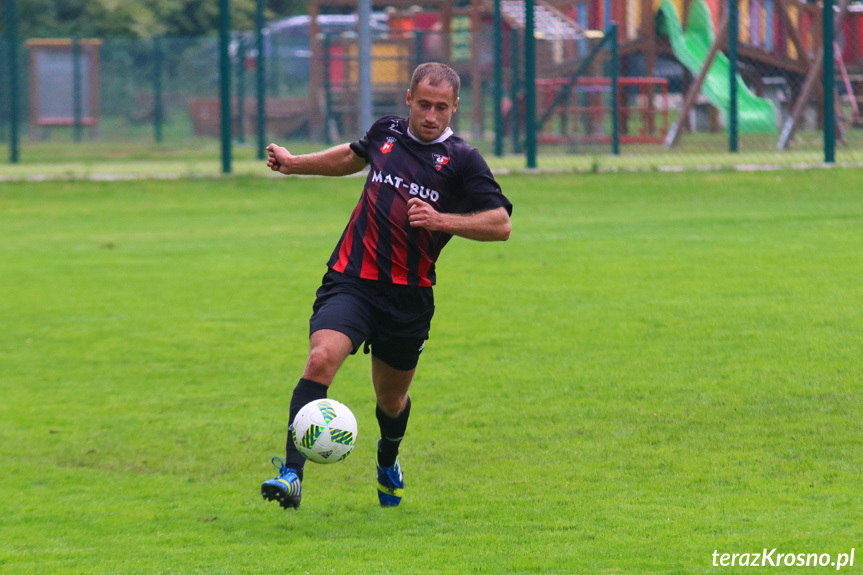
(560, 84)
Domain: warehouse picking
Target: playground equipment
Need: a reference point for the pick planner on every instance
(692, 48)
(810, 83)
(777, 50)
(584, 116)
(779, 44)
(779, 39)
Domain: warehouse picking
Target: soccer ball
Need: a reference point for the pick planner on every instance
(324, 431)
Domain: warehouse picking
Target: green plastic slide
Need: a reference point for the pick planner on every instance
(692, 47)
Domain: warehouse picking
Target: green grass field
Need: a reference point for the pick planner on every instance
(655, 367)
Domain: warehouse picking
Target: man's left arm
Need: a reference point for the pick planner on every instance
(486, 226)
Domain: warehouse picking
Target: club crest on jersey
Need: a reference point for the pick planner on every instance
(388, 146)
(440, 161)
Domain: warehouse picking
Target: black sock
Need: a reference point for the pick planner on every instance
(305, 392)
(392, 433)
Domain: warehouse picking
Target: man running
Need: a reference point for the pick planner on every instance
(424, 186)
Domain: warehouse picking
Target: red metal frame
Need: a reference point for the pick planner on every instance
(644, 109)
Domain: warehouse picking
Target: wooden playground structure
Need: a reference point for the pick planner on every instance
(778, 39)
(779, 42)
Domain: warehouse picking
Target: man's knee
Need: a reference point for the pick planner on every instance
(326, 354)
(392, 403)
(324, 358)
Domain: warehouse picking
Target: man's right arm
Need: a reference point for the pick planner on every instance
(337, 161)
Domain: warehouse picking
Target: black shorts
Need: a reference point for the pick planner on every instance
(393, 320)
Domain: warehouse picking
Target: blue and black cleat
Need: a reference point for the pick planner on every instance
(286, 488)
(391, 485)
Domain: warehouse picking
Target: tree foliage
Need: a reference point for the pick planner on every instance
(140, 19)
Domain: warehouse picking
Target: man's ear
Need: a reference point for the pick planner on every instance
(455, 105)
(408, 98)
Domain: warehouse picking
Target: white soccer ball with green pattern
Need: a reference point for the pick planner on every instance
(324, 431)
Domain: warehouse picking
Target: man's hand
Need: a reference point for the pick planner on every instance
(337, 161)
(422, 215)
(488, 226)
(278, 159)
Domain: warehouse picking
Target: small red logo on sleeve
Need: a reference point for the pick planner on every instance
(440, 161)
(388, 146)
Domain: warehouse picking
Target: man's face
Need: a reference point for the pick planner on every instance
(431, 110)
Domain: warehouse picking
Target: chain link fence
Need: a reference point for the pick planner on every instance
(615, 84)
(691, 92)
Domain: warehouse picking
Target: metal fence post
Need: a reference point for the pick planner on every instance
(225, 82)
(530, 83)
(829, 84)
(498, 80)
(615, 93)
(12, 37)
(366, 91)
(733, 32)
(260, 84)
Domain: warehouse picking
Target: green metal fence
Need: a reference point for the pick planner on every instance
(599, 84)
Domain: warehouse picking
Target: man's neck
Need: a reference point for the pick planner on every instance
(446, 134)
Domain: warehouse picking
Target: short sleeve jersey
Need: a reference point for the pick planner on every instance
(450, 175)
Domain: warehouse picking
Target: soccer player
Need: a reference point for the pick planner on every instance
(424, 186)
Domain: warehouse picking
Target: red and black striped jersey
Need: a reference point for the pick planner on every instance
(450, 175)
